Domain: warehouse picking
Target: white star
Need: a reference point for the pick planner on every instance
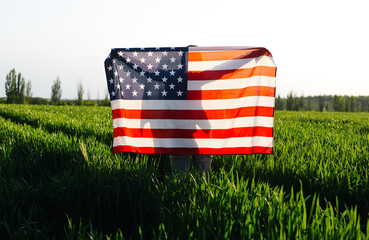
(164, 93)
(157, 59)
(149, 79)
(114, 60)
(128, 86)
(157, 48)
(172, 72)
(122, 93)
(118, 86)
(179, 93)
(149, 93)
(120, 53)
(121, 79)
(165, 53)
(142, 49)
(180, 53)
(110, 68)
(120, 67)
(127, 49)
(149, 66)
(142, 73)
(115, 73)
(165, 66)
(172, 48)
(135, 66)
(156, 86)
(128, 73)
(164, 79)
(142, 60)
(172, 86)
(112, 93)
(128, 59)
(179, 79)
(173, 59)
(180, 66)
(135, 54)
(150, 54)
(142, 86)
(134, 93)
(157, 73)
(134, 79)
(111, 81)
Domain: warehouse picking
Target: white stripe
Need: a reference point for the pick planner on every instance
(192, 104)
(231, 83)
(230, 64)
(194, 143)
(193, 124)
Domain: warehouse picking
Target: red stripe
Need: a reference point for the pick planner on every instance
(194, 151)
(193, 133)
(194, 114)
(231, 93)
(228, 54)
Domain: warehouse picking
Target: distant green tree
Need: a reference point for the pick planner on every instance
(321, 103)
(28, 90)
(279, 103)
(80, 93)
(15, 87)
(56, 91)
(290, 101)
(338, 103)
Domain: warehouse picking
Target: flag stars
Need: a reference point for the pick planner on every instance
(157, 73)
(149, 79)
(120, 53)
(110, 68)
(134, 80)
(134, 93)
(165, 66)
(179, 79)
(165, 53)
(120, 67)
(118, 86)
(172, 59)
(142, 73)
(164, 93)
(116, 73)
(135, 54)
(180, 66)
(128, 73)
(142, 60)
(156, 86)
(149, 93)
(142, 86)
(128, 60)
(111, 80)
(179, 93)
(135, 66)
(113, 93)
(121, 79)
(128, 86)
(149, 66)
(172, 72)
(150, 54)
(180, 53)
(157, 59)
(171, 86)
(164, 79)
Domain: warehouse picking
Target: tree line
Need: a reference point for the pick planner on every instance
(322, 103)
(19, 91)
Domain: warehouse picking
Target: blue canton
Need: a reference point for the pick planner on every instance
(147, 73)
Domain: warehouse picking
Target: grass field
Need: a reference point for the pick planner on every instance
(59, 180)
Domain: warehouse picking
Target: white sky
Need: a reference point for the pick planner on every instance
(319, 46)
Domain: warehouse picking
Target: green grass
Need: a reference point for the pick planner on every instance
(59, 180)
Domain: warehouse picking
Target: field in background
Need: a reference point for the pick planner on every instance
(59, 179)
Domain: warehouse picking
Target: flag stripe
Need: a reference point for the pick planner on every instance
(231, 83)
(190, 133)
(194, 151)
(194, 114)
(231, 64)
(192, 104)
(232, 74)
(193, 124)
(226, 55)
(193, 143)
(231, 93)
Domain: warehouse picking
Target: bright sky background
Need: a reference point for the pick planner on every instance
(319, 46)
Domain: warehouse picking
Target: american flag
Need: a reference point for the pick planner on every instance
(192, 100)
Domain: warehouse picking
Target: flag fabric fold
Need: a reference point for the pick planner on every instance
(192, 100)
